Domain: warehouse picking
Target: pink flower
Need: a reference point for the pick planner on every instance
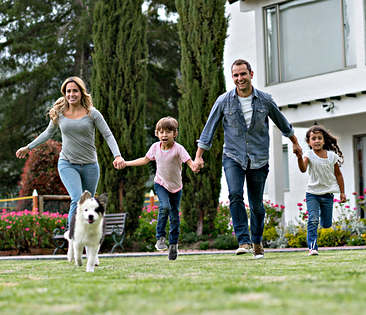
(8, 227)
(299, 204)
(27, 229)
(347, 207)
(361, 197)
(62, 227)
(354, 193)
(300, 208)
(364, 190)
(180, 213)
(282, 207)
(139, 217)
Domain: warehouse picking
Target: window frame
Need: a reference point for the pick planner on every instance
(279, 66)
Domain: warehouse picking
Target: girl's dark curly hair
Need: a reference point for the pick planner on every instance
(330, 142)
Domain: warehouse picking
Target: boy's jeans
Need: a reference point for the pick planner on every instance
(169, 205)
(256, 178)
(318, 206)
(77, 178)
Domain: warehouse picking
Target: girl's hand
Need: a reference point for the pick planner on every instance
(22, 152)
(342, 196)
(119, 163)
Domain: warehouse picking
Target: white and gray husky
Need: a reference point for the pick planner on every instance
(86, 230)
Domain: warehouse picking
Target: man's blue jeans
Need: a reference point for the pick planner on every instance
(256, 179)
(77, 178)
(169, 206)
(318, 206)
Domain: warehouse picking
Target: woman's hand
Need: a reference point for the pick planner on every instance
(22, 152)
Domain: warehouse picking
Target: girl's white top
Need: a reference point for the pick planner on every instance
(321, 173)
(168, 165)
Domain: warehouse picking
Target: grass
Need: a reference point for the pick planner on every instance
(282, 283)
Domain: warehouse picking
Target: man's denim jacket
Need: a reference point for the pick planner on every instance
(242, 143)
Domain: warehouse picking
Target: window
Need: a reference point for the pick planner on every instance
(308, 37)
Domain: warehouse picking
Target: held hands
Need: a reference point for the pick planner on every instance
(22, 152)
(119, 163)
(297, 150)
(198, 164)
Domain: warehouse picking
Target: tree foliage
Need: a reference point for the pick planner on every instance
(202, 29)
(119, 82)
(40, 171)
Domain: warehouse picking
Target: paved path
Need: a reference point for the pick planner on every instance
(181, 252)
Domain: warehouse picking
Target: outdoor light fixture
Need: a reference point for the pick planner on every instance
(328, 106)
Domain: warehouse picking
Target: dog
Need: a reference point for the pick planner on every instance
(87, 230)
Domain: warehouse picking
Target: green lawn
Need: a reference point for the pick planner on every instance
(283, 283)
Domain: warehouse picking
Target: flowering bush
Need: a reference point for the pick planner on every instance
(23, 230)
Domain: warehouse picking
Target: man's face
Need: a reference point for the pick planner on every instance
(242, 79)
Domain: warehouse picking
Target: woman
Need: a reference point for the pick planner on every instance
(77, 119)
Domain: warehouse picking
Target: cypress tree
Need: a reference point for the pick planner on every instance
(119, 80)
(202, 29)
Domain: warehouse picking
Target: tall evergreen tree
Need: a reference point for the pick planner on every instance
(119, 82)
(40, 46)
(202, 29)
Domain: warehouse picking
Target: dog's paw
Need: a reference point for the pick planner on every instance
(67, 235)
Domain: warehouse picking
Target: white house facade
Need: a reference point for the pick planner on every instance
(311, 56)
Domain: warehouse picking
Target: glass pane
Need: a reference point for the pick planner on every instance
(286, 177)
(349, 32)
(311, 39)
(271, 46)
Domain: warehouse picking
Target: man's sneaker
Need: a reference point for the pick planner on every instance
(313, 252)
(160, 244)
(173, 251)
(243, 249)
(258, 251)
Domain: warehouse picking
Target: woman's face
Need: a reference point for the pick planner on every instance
(73, 94)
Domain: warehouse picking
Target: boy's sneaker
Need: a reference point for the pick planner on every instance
(160, 244)
(258, 251)
(173, 251)
(313, 252)
(243, 249)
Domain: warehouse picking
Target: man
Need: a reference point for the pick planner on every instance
(244, 112)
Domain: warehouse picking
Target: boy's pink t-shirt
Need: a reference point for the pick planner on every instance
(169, 165)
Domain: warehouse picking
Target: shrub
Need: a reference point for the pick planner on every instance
(204, 245)
(223, 223)
(298, 239)
(23, 230)
(274, 213)
(332, 237)
(225, 242)
(40, 171)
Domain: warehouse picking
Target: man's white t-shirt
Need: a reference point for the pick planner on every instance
(246, 106)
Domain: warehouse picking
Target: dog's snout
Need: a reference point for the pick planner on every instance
(91, 217)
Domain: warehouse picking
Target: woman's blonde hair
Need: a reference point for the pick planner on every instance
(61, 104)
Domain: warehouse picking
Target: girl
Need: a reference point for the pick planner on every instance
(169, 156)
(77, 119)
(324, 159)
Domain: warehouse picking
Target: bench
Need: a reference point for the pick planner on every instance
(114, 225)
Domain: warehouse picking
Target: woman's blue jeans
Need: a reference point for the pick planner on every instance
(169, 206)
(256, 179)
(318, 206)
(77, 178)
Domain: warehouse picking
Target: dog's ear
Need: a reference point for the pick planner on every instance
(103, 199)
(86, 195)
